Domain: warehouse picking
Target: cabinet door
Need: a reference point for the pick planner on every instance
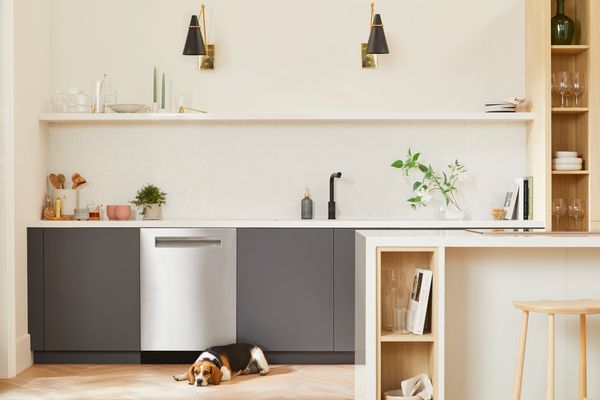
(285, 289)
(343, 273)
(92, 289)
(35, 287)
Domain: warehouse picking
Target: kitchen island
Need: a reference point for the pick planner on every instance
(470, 349)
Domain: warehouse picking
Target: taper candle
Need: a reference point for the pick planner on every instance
(162, 100)
(155, 87)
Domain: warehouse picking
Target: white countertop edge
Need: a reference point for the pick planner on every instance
(240, 223)
(465, 239)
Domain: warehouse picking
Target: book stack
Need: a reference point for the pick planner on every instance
(508, 105)
(500, 106)
(518, 203)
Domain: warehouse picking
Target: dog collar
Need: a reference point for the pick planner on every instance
(212, 357)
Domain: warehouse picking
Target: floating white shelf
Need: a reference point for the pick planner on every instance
(147, 117)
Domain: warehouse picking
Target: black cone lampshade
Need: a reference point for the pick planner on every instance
(377, 43)
(194, 45)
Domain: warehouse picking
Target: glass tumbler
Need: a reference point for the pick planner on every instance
(400, 323)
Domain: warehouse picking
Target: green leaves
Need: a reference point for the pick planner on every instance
(431, 181)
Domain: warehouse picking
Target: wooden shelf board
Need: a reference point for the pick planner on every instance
(569, 110)
(569, 50)
(387, 336)
(581, 172)
(174, 117)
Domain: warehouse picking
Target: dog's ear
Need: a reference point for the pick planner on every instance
(216, 376)
(190, 375)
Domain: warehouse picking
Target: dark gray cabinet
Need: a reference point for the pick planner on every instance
(285, 289)
(343, 290)
(91, 289)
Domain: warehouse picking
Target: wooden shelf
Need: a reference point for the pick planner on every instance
(569, 50)
(582, 172)
(197, 117)
(569, 110)
(387, 336)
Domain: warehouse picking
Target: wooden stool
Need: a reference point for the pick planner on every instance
(580, 307)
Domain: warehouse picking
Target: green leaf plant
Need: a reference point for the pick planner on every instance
(430, 180)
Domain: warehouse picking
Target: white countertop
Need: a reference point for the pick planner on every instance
(454, 238)
(338, 223)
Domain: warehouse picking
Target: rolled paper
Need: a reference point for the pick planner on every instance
(162, 103)
(155, 87)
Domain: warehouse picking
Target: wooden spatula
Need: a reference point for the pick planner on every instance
(54, 181)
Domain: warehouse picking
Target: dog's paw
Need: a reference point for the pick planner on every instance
(264, 371)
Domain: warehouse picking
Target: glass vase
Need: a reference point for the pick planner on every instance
(562, 27)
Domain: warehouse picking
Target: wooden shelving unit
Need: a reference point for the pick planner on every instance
(402, 356)
(570, 128)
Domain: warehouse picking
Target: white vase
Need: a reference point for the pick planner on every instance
(152, 211)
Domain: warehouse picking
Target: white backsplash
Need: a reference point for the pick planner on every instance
(259, 170)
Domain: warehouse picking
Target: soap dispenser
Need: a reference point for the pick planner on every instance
(306, 205)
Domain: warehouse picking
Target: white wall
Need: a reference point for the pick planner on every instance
(7, 342)
(31, 70)
(275, 56)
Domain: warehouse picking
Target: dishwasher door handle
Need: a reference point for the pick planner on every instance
(186, 241)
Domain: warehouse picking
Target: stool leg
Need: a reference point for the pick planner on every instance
(582, 357)
(521, 357)
(550, 367)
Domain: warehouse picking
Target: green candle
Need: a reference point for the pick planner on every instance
(155, 87)
(162, 103)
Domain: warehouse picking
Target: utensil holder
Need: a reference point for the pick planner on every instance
(68, 199)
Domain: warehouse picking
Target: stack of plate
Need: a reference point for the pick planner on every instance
(567, 161)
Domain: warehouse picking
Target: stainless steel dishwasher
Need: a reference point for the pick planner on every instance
(188, 288)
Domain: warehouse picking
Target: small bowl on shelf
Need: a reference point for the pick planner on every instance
(111, 212)
(123, 213)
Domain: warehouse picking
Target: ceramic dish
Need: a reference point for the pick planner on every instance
(569, 160)
(565, 154)
(396, 394)
(567, 167)
(127, 108)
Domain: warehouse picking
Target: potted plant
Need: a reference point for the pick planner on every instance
(431, 181)
(150, 198)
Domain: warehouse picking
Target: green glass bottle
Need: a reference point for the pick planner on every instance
(563, 27)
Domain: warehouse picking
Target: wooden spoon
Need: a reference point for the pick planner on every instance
(54, 181)
(78, 181)
(61, 179)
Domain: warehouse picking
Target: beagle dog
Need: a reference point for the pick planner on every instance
(220, 363)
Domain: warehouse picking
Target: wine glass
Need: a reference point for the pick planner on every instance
(576, 210)
(563, 87)
(577, 88)
(555, 87)
(558, 210)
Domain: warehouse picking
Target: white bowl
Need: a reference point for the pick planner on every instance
(565, 154)
(569, 160)
(127, 108)
(396, 394)
(567, 167)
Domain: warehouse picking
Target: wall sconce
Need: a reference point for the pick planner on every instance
(376, 44)
(195, 45)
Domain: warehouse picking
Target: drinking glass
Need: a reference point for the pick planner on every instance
(576, 210)
(558, 210)
(563, 87)
(400, 323)
(555, 86)
(577, 87)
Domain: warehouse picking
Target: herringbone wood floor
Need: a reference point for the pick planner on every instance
(307, 382)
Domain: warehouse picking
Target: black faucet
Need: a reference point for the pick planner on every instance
(331, 201)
